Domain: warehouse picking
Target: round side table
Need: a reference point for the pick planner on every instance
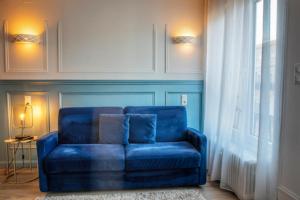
(13, 146)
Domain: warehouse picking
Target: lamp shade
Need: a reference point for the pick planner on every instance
(25, 38)
(183, 39)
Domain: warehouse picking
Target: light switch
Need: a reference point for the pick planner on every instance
(184, 100)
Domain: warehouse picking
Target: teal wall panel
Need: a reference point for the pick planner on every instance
(94, 99)
(102, 93)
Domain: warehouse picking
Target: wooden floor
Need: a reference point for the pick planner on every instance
(9, 190)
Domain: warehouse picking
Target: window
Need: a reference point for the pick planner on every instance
(264, 41)
(264, 46)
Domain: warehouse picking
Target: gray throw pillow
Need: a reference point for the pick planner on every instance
(113, 129)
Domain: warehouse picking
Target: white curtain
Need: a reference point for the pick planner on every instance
(243, 94)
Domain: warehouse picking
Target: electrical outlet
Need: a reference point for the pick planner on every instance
(27, 100)
(184, 100)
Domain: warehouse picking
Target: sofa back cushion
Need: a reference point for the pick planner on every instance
(171, 121)
(113, 129)
(81, 125)
(142, 128)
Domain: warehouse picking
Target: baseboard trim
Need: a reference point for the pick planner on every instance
(288, 192)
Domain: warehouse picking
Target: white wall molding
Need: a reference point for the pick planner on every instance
(45, 45)
(59, 47)
(60, 96)
(166, 43)
(154, 48)
(6, 45)
(288, 192)
(151, 69)
(8, 57)
(8, 104)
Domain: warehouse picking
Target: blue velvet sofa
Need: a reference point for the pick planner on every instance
(71, 159)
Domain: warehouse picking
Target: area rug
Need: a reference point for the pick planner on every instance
(162, 194)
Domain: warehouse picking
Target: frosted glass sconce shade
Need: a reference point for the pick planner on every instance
(183, 39)
(25, 38)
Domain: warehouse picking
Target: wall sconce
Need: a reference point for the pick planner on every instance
(25, 38)
(183, 39)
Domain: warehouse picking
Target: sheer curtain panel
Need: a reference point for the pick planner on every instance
(243, 94)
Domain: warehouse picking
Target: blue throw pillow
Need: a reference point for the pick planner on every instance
(113, 129)
(142, 128)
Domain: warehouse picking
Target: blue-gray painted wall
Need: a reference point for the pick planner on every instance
(103, 93)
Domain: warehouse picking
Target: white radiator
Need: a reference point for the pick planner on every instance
(240, 177)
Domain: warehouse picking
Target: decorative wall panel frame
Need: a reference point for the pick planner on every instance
(153, 67)
(61, 94)
(7, 56)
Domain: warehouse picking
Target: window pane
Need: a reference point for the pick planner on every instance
(270, 65)
(259, 22)
(273, 20)
(258, 63)
(273, 42)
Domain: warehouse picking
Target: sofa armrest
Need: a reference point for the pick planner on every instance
(45, 145)
(199, 141)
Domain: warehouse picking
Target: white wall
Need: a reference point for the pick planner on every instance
(103, 39)
(289, 180)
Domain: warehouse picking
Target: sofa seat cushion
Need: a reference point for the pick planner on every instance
(73, 158)
(161, 156)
